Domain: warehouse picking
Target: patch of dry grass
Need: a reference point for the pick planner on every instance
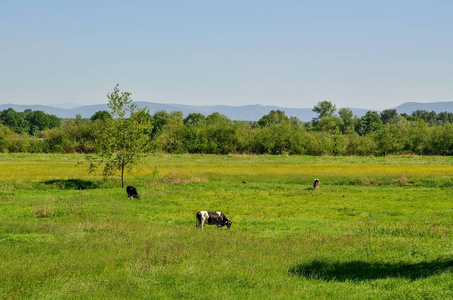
(177, 177)
(43, 212)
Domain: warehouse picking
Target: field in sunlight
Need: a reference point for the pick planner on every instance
(378, 228)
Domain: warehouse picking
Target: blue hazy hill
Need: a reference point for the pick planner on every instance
(245, 112)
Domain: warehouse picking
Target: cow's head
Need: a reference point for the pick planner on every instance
(228, 224)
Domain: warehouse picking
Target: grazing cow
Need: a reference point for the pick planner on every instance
(212, 218)
(132, 192)
(316, 184)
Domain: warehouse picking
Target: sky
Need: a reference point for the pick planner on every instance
(363, 54)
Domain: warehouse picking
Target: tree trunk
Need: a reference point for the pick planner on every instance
(122, 175)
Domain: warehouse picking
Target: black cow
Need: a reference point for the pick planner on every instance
(132, 192)
(212, 218)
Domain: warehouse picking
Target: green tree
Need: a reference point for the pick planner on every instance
(444, 118)
(360, 145)
(124, 138)
(171, 137)
(391, 139)
(323, 109)
(389, 116)
(40, 121)
(218, 119)
(162, 118)
(272, 118)
(243, 131)
(102, 115)
(296, 122)
(429, 117)
(14, 120)
(220, 134)
(195, 133)
(441, 140)
(370, 122)
(195, 119)
(5, 139)
(331, 125)
(348, 120)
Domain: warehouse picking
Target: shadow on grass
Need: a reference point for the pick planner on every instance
(72, 184)
(359, 270)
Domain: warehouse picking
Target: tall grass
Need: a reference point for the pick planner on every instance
(376, 229)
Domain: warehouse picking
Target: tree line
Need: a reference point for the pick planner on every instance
(331, 132)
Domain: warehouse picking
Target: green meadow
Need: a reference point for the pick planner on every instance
(378, 228)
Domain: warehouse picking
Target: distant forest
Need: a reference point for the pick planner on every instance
(331, 132)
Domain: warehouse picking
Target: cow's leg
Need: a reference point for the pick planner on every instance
(202, 220)
(199, 220)
(200, 224)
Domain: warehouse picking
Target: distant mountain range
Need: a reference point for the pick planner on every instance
(438, 107)
(245, 113)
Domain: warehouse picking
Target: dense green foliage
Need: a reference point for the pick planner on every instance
(29, 121)
(378, 228)
(421, 133)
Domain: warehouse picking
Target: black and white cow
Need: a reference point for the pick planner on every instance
(132, 192)
(316, 184)
(212, 218)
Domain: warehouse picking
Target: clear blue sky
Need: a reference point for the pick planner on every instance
(368, 54)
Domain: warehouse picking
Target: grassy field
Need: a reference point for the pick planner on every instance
(378, 228)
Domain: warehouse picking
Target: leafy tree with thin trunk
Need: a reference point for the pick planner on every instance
(123, 138)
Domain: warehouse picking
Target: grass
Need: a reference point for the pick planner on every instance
(378, 228)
